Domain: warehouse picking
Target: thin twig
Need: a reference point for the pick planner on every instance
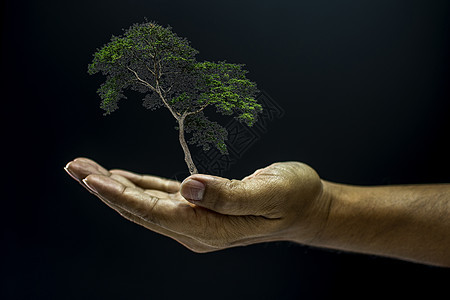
(142, 81)
(196, 112)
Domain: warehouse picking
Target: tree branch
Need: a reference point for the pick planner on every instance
(153, 73)
(142, 81)
(160, 69)
(145, 64)
(175, 114)
(148, 43)
(168, 90)
(196, 112)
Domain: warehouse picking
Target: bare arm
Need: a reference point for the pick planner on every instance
(283, 201)
(410, 222)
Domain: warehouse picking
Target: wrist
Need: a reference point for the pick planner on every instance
(329, 199)
(312, 220)
(323, 206)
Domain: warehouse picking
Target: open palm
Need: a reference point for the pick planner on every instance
(156, 203)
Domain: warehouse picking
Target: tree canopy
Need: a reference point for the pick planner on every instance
(154, 60)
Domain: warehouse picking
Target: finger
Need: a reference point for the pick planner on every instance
(93, 163)
(124, 181)
(152, 209)
(186, 241)
(231, 197)
(80, 168)
(128, 183)
(180, 218)
(150, 182)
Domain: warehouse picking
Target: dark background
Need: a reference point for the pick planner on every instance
(365, 89)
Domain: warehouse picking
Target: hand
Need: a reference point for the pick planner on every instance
(283, 201)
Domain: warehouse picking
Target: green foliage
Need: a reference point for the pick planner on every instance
(184, 97)
(142, 42)
(110, 92)
(225, 86)
(110, 53)
(153, 60)
(144, 48)
(206, 133)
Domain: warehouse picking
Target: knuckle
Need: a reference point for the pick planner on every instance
(234, 185)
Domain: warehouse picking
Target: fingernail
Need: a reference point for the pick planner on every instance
(91, 188)
(66, 168)
(192, 189)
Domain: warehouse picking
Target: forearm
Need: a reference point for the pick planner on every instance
(410, 222)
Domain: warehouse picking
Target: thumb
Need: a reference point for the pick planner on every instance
(231, 197)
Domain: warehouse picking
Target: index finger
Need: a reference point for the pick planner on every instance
(150, 182)
(159, 211)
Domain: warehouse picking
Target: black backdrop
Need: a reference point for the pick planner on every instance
(364, 86)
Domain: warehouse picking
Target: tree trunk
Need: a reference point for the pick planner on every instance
(187, 153)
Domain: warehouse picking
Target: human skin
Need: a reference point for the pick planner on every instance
(285, 201)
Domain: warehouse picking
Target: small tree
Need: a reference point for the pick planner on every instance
(151, 59)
